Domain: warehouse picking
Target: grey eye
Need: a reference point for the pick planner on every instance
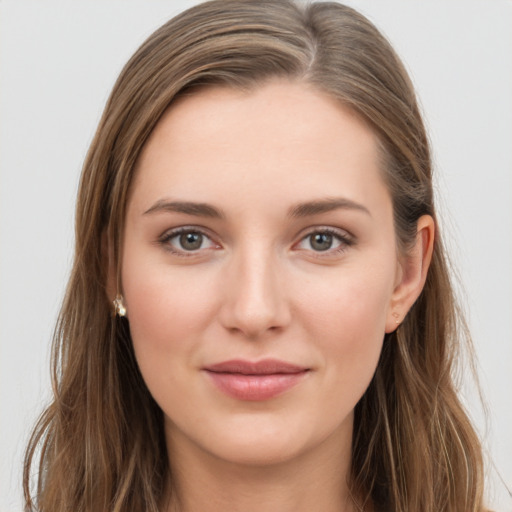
(187, 241)
(190, 241)
(321, 241)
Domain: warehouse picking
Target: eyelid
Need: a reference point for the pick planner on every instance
(173, 232)
(346, 240)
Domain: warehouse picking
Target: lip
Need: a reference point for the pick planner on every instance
(255, 381)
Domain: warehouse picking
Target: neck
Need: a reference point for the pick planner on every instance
(315, 480)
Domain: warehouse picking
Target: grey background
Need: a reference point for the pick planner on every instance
(58, 61)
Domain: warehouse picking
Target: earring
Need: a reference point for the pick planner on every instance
(119, 308)
(396, 316)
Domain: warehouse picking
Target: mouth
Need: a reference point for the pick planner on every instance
(255, 381)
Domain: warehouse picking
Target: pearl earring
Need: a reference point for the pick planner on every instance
(119, 307)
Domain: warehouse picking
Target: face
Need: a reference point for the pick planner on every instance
(259, 270)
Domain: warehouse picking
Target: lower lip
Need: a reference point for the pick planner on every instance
(255, 387)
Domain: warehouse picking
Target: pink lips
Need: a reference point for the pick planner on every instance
(262, 380)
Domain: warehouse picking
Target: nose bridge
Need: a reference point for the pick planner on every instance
(256, 300)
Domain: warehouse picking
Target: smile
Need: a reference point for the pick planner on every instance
(262, 380)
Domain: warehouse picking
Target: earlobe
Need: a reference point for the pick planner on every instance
(412, 273)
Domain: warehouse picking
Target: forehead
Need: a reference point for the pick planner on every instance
(285, 134)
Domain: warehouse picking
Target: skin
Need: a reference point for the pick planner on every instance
(257, 287)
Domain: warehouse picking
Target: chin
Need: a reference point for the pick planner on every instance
(255, 440)
(258, 451)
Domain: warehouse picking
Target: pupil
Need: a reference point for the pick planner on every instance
(191, 241)
(321, 241)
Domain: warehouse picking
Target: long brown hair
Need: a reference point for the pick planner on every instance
(100, 443)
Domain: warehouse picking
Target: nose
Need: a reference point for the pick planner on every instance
(255, 302)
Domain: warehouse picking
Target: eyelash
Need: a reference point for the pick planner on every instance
(343, 238)
(165, 239)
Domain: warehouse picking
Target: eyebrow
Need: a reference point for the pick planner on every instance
(326, 205)
(300, 210)
(186, 207)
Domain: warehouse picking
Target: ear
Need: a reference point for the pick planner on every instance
(412, 273)
(107, 256)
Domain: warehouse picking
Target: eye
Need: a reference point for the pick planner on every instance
(325, 240)
(321, 241)
(187, 240)
(190, 241)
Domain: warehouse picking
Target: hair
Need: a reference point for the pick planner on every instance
(100, 443)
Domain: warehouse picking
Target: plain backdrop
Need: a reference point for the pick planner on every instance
(58, 61)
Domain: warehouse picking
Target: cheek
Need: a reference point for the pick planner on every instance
(348, 302)
(167, 308)
(347, 318)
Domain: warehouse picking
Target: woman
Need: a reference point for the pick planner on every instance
(257, 206)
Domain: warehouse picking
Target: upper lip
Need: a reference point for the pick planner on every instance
(263, 367)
